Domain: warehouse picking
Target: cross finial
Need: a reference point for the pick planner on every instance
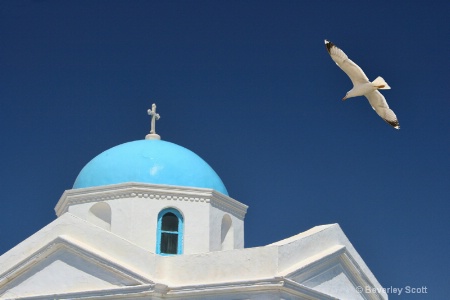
(152, 135)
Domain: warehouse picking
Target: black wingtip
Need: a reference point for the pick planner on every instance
(394, 123)
(329, 45)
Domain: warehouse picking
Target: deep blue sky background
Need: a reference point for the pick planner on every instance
(248, 86)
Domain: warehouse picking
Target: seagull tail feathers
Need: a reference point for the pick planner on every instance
(381, 84)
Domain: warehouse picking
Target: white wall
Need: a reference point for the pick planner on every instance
(134, 215)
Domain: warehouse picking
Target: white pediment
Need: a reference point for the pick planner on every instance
(334, 272)
(62, 267)
(335, 282)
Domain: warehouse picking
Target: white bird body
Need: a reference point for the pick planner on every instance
(362, 86)
(360, 90)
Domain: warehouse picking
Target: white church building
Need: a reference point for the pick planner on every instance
(150, 219)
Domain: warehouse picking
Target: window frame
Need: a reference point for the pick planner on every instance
(179, 232)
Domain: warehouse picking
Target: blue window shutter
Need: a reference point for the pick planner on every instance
(169, 238)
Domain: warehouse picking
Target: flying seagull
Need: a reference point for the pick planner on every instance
(362, 85)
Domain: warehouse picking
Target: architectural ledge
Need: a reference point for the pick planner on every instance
(126, 292)
(151, 191)
(269, 285)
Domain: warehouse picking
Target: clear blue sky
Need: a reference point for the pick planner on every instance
(250, 87)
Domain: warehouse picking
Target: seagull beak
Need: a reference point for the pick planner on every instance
(345, 98)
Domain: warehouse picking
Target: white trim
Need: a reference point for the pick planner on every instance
(155, 291)
(151, 191)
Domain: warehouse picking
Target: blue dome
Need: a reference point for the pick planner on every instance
(149, 161)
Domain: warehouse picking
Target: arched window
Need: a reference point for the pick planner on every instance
(170, 232)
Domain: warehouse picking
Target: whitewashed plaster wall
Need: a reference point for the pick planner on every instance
(134, 216)
(320, 262)
(234, 238)
(321, 259)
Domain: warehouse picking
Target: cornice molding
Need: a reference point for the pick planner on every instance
(148, 291)
(228, 204)
(151, 191)
(127, 292)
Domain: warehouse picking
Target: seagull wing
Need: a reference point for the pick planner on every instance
(353, 71)
(379, 104)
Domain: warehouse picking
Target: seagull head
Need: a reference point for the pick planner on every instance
(351, 93)
(345, 97)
